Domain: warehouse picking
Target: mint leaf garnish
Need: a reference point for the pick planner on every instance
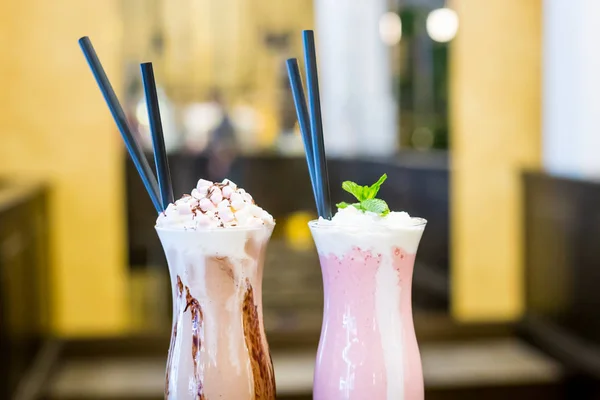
(366, 196)
(354, 189)
(358, 206)
(376, 206)
(374, 188)
(343, 204)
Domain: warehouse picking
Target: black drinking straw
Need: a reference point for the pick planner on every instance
(158, 140)
(133, 147)
(316, 123)
(303, 121)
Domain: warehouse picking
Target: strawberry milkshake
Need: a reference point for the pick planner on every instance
(368, 348)
(215, 240)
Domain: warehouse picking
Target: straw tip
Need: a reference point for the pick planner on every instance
(308, 36)
(146, 64)
(84, 39)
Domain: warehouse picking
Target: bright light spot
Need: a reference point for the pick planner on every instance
(200, 118)
(442, 24)
(390, 28)
(245, 118)
(141, 113)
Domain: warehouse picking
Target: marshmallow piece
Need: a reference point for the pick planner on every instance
(216, 196)
(229, 183)
(243, 216)
(238, 204)
(203, 183)
(171, 210)
(256, 211)
(196, 194)
(202, 220)
(237, 201)
(235, 196)
(248, 198)
(184, 209)
(227, 192)
(226, 215)
(206, 204)
(266, 217)
(203, 190)
(223, 205)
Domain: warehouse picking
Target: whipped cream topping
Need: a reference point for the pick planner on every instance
(350, 228)
(352, 217)
(214, 205)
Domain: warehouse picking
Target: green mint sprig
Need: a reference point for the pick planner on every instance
(366, 196)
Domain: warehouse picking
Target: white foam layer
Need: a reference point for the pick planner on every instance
(197, 244)
(214, 205)
(350, 228)
(351, 216)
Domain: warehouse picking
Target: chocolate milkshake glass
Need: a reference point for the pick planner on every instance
(218, 346)
(368, 348)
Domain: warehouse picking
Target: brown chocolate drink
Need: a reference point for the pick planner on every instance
(218, 345)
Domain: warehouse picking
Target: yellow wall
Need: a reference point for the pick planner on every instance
(495, 123)
(55, 125)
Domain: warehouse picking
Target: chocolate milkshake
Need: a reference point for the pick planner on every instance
(215, 240)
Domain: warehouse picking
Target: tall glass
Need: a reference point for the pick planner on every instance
(218, 345)
(368, 348)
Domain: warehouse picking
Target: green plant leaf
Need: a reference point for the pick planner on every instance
(376, 206)
(366, 196)
(354, 189)
(343, 204)
(372, 190)
(358, 206)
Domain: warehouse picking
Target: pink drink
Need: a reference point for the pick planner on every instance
(368, 348)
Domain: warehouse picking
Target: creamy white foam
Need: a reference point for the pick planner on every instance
(350, 227)
(214, 205)
(351, 216)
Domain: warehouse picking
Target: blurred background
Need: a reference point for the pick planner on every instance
(482, 113)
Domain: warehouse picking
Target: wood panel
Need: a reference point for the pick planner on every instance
(495, 133)
(55, 126)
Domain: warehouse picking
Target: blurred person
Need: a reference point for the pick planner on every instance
(222, 146)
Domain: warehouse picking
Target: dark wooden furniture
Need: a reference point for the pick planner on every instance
(23, 280)
(562, 274)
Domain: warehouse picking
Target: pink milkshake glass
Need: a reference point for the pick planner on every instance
(368, 348)
(218, 344)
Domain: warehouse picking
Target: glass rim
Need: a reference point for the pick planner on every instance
(417, 223)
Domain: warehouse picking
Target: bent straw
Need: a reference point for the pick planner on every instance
(316, 123)
(158, 140)
(133, 147)
(303, 121)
